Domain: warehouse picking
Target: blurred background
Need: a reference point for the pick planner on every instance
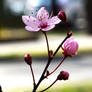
(15, 42)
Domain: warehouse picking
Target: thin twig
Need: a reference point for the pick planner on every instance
(47, 43)
(33, 75)
(57, 66)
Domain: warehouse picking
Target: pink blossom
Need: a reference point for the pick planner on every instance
(41, 22)
(70, 47)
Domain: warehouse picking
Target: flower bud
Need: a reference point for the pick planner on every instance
(28, 59)
(62, 16)
(70, 47)
(63, 75)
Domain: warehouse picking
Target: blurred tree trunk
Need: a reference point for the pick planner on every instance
(0, 89)
(54, 8)
(89, 15)
(1, 11)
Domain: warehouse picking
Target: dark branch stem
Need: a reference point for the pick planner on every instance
(69, 35)
(42, 76)
(33, 75)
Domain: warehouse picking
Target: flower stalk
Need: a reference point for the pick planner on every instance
(47, 43)
(33, 75)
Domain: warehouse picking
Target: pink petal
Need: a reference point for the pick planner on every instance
(68, 41)
(29, 28)
(26, 19)
(48, 28)
(54, 20)
(42, 14)
(34, 23)
(70, 46)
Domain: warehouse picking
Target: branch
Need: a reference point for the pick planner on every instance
(49, 61)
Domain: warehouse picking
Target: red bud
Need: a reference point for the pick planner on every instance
(63, 75)
(28, 59)
(62, 16)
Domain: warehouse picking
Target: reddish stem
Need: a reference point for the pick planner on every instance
(47, 43)
(32, 75)
(57, 66)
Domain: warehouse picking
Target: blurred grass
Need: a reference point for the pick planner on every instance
(83, 86)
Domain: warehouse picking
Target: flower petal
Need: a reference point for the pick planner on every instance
(42, 14)
(29, 28)
(30, 21)
(54, 20)
(32, 24)
(26, 19)
(48, 28)
(70, 46)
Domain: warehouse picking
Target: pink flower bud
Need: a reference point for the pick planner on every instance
(70, 47)
(28, 59)
(62, 16)
(63, 75)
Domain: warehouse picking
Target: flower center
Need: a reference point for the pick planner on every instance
(43, 25)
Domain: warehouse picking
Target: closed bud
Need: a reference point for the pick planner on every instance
(28, 59)
(63, 75)
(70, 47)
(62, 16)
